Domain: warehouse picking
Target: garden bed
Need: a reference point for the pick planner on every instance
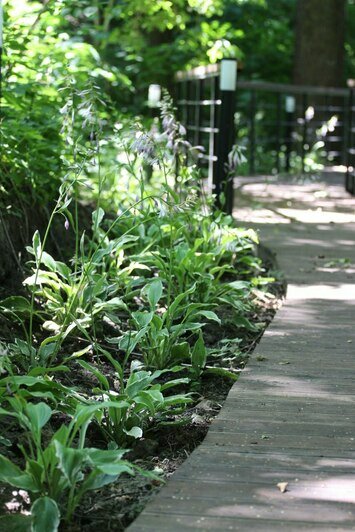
(118, 352)
(162, 449)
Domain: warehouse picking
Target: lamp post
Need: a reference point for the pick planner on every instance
(227, 87)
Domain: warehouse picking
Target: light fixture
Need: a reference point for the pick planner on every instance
(290, 104)
(154, 95)
(228, 75)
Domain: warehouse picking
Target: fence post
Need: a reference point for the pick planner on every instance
(226, 134)
(350, 178)
(290, 108)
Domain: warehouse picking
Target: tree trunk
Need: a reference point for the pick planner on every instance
(319, 53)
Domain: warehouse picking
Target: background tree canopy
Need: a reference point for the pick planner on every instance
(124, 45)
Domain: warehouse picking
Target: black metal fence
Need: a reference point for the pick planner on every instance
(350, 142)
(281, 128)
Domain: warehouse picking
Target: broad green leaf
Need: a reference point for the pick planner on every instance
(85, 413)
(48, 261)
(96, 481)
(209, 315)
(198, 355)
(45, 515)
(134, 432)
(45, 351)
(142, 319)
(11, 474)
(70, 461)
(241, 321)
(180, 351)
(116, 468)
(150, 399)
(15, 304)
(36, 245)
(155, 292)
(174, 382)
(105, 456)
(111, 304)
(175, 305)
(38, 414)
(137, 382)
(240, 285)
(15, 523)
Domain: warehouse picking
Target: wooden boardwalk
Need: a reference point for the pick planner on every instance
(291, 416)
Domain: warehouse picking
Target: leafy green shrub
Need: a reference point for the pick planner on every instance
(58, 475)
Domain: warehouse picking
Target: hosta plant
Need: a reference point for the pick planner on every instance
(140, 402)
(58, 473)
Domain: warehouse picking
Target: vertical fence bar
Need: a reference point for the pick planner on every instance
(222, 183)
(184, 99)
(213, 125)
(278, 130)
(346, 127)
(252, 109)
(198, 93)
(304, 132)
(349, 178)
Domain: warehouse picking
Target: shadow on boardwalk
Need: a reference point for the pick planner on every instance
(290, 418)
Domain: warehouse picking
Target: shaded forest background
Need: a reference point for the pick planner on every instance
(54, 49)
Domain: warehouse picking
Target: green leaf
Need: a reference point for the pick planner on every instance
(96, 481)
(198, 356)
(105, 456)
(142, 319)
(221, 372)
(36, 245)
(240, 285)
(111, 304)
(16, 304)
(209, 315)
(45, 515)
(134, 432)
(70, 461)
(38, 414)
(137, 382)
(11, 474)
(100, 377)
(180, 351)
(15, 523)
(79, 354)
(97, 217)
(155, 292)
(116, 468)
(175, 305)
(48, 261)
(241, 321)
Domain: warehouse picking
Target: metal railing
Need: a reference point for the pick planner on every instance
(282, 128)
(204, 108)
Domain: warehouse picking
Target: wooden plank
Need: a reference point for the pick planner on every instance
(176, 523)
